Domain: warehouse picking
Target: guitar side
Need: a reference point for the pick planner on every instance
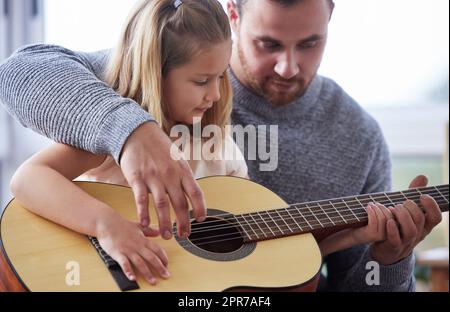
(39, 250)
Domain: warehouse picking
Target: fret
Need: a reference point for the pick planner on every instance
(445, 199)
(404, 196)
(290, 217)
(350, 209)
(257, 225)
(282, 219)
(314, 216)
(340, 215)
(325, 213)
(280, 224)
(364, 216)
(249, 225)
(373, 199)
(386, 202)
(301, 214)
(264, 222)
(243, 227)
(275, 226)
(389, 197)
(260, 224)
(332, 214)
(397, 198)
(298, 225)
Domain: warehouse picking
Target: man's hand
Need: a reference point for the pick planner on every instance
(409, 226)
(147, 165)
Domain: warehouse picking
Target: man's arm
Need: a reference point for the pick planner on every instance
(58, 93)
(351, 269)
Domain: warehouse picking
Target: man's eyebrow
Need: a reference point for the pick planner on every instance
(266, 38)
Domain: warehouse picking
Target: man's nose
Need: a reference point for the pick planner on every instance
(287, 66)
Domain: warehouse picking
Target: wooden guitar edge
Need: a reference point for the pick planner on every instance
(309, 286)
(9, 282)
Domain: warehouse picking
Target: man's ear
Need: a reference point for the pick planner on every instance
(233, 15)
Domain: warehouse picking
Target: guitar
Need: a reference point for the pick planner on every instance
(251, 240)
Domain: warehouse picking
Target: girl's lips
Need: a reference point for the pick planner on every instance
(203, 109)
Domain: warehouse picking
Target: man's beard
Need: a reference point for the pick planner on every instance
(262, 88)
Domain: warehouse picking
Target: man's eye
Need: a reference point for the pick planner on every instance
(308, 45)
(270, 45)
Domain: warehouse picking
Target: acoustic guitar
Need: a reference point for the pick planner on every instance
(251, 240)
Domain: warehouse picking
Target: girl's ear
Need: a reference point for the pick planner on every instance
(233, 15)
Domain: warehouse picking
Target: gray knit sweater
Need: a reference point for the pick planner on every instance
(328, 145)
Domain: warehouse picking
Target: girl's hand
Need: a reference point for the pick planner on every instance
(127, 243)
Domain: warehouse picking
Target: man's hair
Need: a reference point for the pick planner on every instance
(286, 3)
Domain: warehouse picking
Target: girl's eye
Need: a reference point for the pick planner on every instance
(201, 83)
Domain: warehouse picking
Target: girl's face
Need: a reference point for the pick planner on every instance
(193, 88)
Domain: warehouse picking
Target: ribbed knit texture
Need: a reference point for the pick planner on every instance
(328, 145)
(58, 93)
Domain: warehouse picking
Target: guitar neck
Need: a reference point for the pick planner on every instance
(338, 213)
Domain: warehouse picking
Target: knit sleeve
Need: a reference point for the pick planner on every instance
(59, 93)
(354, 269)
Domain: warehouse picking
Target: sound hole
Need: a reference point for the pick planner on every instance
(216, 235)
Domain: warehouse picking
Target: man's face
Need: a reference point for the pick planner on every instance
(279, 49)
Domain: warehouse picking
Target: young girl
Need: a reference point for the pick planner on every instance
(172, 59)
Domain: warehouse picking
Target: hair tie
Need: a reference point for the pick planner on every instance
(177, 3)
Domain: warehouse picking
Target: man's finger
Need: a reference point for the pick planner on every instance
(180, 206)
(393, 234)
(407, 226)
(194, 193)
(162, 206)
(419, 181)
(433, 214)
(140, 193)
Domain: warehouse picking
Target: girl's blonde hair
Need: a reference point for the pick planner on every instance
(158, 37)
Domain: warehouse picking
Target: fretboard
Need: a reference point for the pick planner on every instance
(326, 214)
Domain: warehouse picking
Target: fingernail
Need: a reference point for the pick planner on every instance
(167, 235)
(201, 219)
(166, 274)
(152, 281)
(131, 277)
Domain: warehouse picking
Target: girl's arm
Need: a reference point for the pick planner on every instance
(43, 184)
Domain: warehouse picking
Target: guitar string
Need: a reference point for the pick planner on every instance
(265, 237)
(309, 229)
(189, 245)
(298, 214)
(331, 207)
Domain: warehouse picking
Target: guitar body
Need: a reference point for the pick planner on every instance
(35, 252)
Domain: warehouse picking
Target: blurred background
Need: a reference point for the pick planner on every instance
(392, 56)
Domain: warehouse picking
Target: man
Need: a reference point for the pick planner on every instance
(328, 146)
